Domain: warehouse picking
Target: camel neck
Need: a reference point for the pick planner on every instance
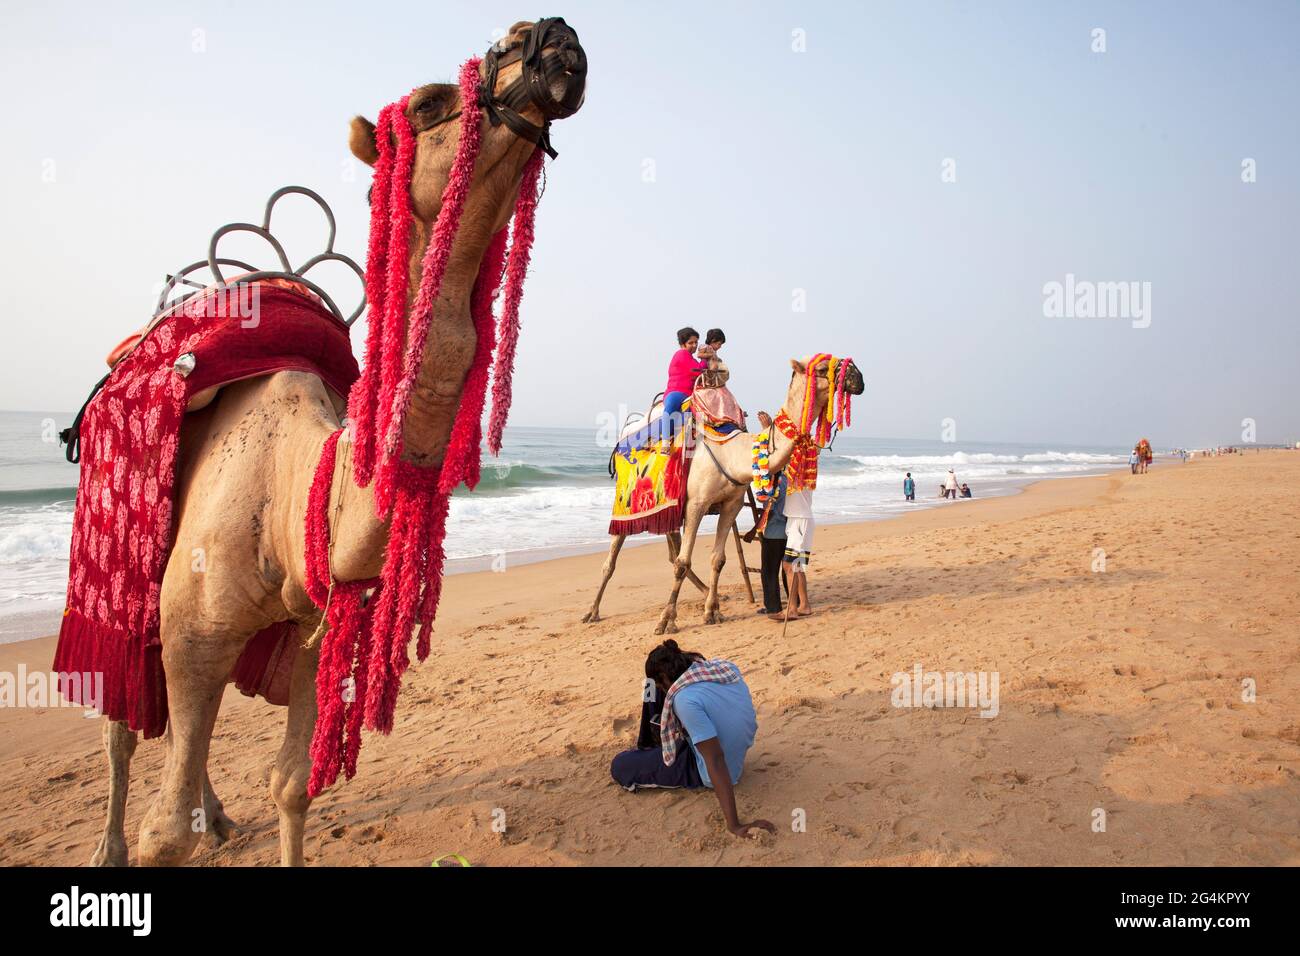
(450, 348)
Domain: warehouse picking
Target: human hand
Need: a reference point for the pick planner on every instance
(742, 829)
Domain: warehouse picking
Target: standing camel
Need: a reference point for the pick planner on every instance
(718, 477)
(245, 466)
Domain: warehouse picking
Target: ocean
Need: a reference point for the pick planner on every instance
(548, 494)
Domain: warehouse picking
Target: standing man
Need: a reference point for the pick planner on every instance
(950, 488)
(909, 488)
(799, 527)
(773, 540)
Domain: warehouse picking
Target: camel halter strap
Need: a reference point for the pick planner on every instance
(538, 72)
(705, 442)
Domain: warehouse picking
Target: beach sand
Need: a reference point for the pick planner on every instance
(1120, 690)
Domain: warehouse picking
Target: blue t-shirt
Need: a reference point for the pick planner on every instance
(725, 711)
(909, 486)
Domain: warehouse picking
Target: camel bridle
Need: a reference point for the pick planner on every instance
(540, 68)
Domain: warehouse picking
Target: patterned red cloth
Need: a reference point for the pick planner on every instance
(122, 527)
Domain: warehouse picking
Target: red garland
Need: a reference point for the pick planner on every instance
(336, 740)
(365, 651)
(520, 252)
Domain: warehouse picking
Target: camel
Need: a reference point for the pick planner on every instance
(719, 475)
(243, 475)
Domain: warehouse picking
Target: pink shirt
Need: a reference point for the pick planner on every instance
(682, 371)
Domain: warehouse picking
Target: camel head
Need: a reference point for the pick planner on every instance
(537, 73)
(794, 399)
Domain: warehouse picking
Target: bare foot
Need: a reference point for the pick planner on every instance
(805, 612)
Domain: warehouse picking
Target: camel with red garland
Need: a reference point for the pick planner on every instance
(245, 460)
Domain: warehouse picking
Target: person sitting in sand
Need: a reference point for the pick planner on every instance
(705, 704)
(965, 491)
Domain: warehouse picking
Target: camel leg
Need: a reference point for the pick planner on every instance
(744, 568)
(293, 763)
(668, 619)
(592, 616)
(726, 523)
(119, 742)
(674, 549)
(220, 827)
(197, 668)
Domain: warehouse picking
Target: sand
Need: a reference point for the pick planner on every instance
(1120, 691)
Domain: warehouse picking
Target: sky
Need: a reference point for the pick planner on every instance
(896, 182)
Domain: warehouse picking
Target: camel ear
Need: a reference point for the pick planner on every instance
(799, 367)
(361, 140)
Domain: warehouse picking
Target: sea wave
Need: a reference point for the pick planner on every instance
(36, 496)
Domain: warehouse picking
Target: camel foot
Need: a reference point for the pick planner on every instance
(713, 617)
(110, 852)
(591, 617)
(220, 827)
(666, 627)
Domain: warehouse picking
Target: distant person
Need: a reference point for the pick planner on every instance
(706, 705)
(909, 488)
(1133, 462)
(965, 491)
(950, 485)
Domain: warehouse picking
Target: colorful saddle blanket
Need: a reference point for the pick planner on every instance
(122, 531)
(649, 484)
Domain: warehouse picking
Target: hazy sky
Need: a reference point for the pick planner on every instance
(770, 170)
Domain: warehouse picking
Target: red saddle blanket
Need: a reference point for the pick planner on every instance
(122, 530)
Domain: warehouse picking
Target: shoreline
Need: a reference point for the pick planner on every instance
(36, 623)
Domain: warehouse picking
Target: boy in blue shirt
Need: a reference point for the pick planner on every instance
(712, 704)
(909, 488)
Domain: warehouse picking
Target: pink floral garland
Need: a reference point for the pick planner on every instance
(520, 252)
(366, 646)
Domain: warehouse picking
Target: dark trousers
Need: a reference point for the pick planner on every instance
(643, 767)
(773, 550)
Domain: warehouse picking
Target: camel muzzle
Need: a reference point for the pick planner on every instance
(854, 383)
(552, 78)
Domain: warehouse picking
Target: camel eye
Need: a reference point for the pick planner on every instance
(424, 106)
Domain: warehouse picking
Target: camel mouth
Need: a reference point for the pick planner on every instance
(564, 70)
(854, 383)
